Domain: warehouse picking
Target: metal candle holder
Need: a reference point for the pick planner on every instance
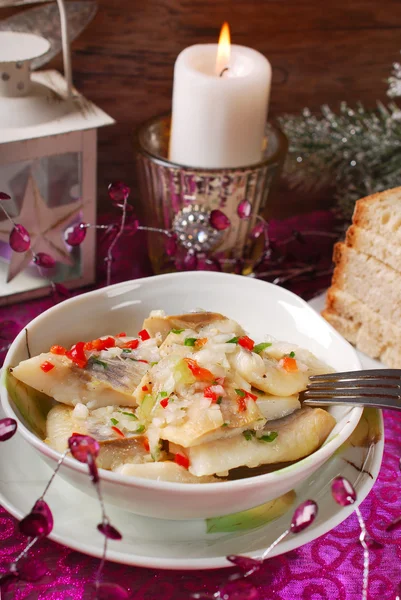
(218, 215)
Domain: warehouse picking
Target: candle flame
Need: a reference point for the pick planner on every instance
(223, 49)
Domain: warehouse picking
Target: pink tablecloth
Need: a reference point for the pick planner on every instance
(329, 568)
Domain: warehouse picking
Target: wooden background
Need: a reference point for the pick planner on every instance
(321, 52)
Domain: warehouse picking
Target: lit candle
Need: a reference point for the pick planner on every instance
(220, 101)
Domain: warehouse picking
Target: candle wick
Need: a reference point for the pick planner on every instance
(223, 71)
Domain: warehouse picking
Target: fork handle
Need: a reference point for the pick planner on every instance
(383, 403)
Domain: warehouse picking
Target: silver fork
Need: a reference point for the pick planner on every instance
(379, 388)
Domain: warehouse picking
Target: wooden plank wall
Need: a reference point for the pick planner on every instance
(322, 51)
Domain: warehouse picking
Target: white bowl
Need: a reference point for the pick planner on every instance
(260, 307)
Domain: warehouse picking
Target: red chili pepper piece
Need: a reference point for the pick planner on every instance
(118, 431)
(122, 334)
(144, 361)
(209, 393)
(58, 350)
(46, 366)
(182, 460)
(103, 344)
(246, 342)
(252, 396)
(145, 388)
(199, 372)
(133, 344)
(89, 346)
(290, 364)
(241, 402)
(77, 354)
(143, 334)
(164, 402)
(146, 444)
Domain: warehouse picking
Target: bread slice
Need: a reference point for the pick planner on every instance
(381, 214)
(372, 244)
(361, 326)
(368, 280)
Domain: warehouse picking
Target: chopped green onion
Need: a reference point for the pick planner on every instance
(233, 340)
(127, 350)
(152, 364)
(163, 394)
(240, 393)
(128, 414)
(260, 347)
(176, 331)
(114, 421)
(248, 435)
(270, 437)
(292, 355)
(225, 425)
(190, 342)
(140, 429)
(97, 361)
(219, 399)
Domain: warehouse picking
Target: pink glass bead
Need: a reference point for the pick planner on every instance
(190, 261)
(171, 245)
(342, 491)
(218, 220)
(34, 525)
(82, 445)
(31, 569)
(111, 591)
(7, 429)
(238, 590)
(118, 192)
(257, 230)
(93, 472)
(244, 209)
(249, 565)
(20, 240)
(109, 531)
(44, 260)
(303, 516)
(75, 235)
(4, 196)
(41, 507)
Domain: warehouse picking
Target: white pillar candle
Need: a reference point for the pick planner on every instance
(219, 118)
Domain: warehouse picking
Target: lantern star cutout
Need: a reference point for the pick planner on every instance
(45, 226)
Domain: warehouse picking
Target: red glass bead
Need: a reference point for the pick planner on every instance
(20, 240)
(218, 220)
(82, 445)
(4, 196)
(342, 491)
(118, 192)
(44, 260)
(171, 245)
(249, 565)
(257, 230)
(41, 507)
(303, 516)
(109, 531)
(31, 569)
(244, 209)
(7, 429)
(34, 525)
(75, 235)
(238, 590)
(94, 473)
(111, 591)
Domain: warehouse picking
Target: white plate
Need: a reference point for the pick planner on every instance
(185, 545)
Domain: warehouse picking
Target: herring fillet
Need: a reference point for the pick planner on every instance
(299, 434)
(69, 384)
(194, 321)
(163, 471)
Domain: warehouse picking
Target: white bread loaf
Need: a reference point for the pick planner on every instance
(364, 301)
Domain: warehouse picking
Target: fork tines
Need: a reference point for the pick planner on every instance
(380, 374)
